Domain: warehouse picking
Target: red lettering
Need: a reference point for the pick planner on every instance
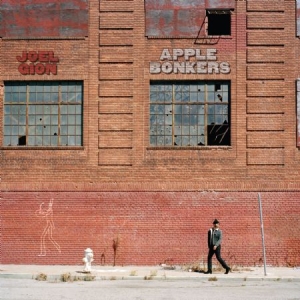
(22, 58)
(31, 68)
(40, 63)
(39, 69)
(52, 58)
(23, 69)
(43, 56)
(33, 56)
(51, 68)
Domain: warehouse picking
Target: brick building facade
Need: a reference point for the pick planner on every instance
(127, 126)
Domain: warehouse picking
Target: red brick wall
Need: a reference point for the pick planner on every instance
(151, 227)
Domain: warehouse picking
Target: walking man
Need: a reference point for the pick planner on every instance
(214, 246)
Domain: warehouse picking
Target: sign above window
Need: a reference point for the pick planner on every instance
(37, 62)
(189, 61)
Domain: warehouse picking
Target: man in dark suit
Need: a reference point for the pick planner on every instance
(214, 246)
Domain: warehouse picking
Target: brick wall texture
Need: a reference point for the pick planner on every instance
(141, 205)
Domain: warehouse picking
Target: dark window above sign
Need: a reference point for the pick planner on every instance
(180, 18)
(219, 22)
(40, 18)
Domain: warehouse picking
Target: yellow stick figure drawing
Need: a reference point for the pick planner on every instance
(48, 215)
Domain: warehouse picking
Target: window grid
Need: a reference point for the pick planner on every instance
(189, 113)
(43, 113)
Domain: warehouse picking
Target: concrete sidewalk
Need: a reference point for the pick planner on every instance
(69, 273)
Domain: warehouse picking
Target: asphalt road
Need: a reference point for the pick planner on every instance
(29, 289)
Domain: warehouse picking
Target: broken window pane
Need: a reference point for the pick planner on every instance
(186, 121)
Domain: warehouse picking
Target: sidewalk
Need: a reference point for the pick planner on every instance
(69, 273)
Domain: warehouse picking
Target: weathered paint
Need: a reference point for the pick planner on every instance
(41, 18)
(179, 18)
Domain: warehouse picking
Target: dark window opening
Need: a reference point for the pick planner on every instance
(219, 22)
(218, 135)
(22, 140)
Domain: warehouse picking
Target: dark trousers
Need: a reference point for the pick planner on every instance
(218, 256)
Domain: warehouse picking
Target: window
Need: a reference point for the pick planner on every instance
(189, 113)
(43, 113)
(219, 22)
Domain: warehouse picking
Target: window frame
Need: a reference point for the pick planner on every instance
(207, 137)
(45, 109)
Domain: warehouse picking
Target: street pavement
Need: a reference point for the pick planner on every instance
(67, 272)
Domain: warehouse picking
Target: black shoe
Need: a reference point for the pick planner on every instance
(227, 270)
(208, 272)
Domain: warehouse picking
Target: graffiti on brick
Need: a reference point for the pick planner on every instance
(47, 214)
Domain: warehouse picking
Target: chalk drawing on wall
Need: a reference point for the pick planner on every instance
(47, 214)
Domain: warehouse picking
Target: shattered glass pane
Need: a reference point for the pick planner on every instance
(193, 108)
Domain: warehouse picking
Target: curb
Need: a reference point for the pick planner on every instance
(215, 278)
